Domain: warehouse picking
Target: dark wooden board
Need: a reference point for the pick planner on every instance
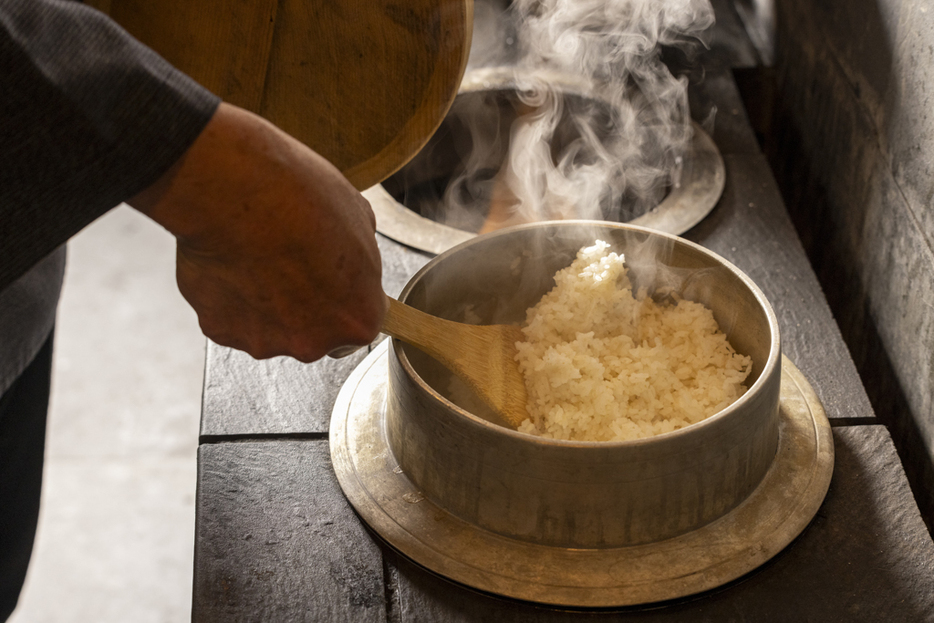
(363, 83)
(276, 540)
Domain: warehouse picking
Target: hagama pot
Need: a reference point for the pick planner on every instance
(581, 494)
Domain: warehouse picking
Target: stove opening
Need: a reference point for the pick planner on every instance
(559, 153)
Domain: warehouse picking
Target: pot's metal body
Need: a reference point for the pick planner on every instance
(581, 494)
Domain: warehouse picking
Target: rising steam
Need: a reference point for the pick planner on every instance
(612, 153)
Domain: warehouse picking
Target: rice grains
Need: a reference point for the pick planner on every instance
(603, 364)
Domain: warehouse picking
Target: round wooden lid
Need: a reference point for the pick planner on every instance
(364, 83)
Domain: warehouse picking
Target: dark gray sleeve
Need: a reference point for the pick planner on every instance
(88, 118)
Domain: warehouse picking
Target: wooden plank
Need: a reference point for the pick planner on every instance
(276, 540)
(867, 556)
(365, 82)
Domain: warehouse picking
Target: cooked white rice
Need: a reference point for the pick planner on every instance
(601, 364)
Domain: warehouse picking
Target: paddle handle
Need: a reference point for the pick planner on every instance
(429, 333)
(482, 356)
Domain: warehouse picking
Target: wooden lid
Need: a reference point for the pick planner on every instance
(365, 83)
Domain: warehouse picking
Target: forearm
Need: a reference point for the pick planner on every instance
(276, 250)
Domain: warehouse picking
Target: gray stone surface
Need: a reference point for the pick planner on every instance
(116, 528)
(866, 557)
(115, 541)
(853, 150)
(908, 123)
(243, 395)
(277, 541)
(896, 264)
(129, 356)
(750, 228)
(715, 101)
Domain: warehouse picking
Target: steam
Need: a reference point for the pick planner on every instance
(614, 150)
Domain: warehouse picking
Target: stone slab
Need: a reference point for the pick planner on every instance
(279, 396)
(276, 540)
(866, 556)
(897, 265)
(851, 146)
(892, 315)
(751, 228)
(716, 103)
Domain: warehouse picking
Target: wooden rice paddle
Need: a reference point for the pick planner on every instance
(481, 356)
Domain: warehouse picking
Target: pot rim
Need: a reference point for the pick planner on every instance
(773, 361)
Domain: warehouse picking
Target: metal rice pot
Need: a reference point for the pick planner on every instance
(580, 494)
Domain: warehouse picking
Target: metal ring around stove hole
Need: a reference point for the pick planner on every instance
(702, 182)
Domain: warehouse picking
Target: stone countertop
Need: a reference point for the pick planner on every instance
(749, 227)
(277, 541)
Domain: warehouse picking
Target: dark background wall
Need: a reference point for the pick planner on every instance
(847, 118)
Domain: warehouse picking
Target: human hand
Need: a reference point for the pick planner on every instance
(276, 251)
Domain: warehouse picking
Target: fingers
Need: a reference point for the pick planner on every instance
(268, 311)
(276, 250)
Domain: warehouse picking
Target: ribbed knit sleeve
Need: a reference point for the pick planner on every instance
(88, 118)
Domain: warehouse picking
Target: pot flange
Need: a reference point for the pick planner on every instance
(771, 517)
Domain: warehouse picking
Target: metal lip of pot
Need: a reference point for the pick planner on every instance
(580, 494)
